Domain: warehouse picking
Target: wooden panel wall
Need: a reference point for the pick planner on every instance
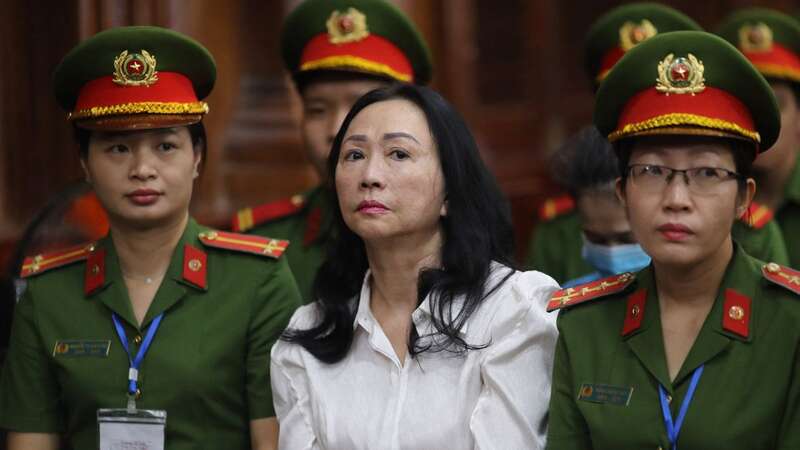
(512, 67)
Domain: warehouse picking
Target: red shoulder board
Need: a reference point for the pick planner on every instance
(556, 206)
(757, 215)
(34, 265)
(589, 291)
(256, 245)
(783, 276)
(248, 218)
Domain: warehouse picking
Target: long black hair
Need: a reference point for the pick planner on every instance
(476, 231)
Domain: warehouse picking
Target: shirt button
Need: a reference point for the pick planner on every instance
(138, 394)
(138, 339)
(669, 399)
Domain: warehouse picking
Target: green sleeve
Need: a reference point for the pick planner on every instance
(542, 253)
(29, 392)
(275, 301)
(766, 243)
(567, 428)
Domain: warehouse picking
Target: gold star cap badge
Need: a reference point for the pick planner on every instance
(135, 69)
(682, 75)
(348, 26)
(632, 33)
(755, 38)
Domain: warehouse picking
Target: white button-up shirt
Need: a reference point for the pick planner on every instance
(491, 398)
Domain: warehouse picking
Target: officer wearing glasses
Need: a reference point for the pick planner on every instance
(700, 349)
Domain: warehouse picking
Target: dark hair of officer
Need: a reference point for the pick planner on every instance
(585, 161)
(477, 231)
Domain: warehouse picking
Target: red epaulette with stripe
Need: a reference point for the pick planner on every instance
(256, 245)
(782, 276)
(34, 265)
(589, 291)
(248, 218)
(556, 206)
(757, 215)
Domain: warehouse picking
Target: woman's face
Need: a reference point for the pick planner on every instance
(143, 178)
(388, 175)
(674, 224)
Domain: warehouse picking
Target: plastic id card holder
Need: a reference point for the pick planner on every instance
(131, 429)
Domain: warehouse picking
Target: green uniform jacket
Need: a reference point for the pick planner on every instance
(788, 216)
(556, 245)
(747, 398)
(308, 230)
(208, 365)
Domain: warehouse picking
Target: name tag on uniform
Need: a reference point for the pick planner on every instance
(131, 429)
(77, 347)
(606, 394)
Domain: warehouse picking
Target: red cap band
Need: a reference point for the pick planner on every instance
(778, 62)
(373, 54)
(171, 87)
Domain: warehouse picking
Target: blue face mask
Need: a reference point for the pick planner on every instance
(614, 259)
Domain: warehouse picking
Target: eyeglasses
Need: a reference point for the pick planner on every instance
(700, 180)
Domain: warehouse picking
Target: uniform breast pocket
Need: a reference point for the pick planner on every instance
(89, 368)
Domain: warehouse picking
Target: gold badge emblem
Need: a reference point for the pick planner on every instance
(682, 75)
(195, 265)
(135, 69)
(348, 26)
(632, 34)
(755, 38)
(736, 313)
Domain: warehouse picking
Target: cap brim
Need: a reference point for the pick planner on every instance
(138, 122)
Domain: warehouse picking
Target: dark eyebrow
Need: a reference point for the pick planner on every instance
(399, 134)
(355, 137)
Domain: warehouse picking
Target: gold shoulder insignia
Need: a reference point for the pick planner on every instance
(596, 289)
(34, 265)
(248, 218)
(256, 245)
(782, 276)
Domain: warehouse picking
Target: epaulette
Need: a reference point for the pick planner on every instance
(256, 245)
(782, 276)
(556, 206)
(248, 218)
(757, 215)
(596, 289)
(34, 265)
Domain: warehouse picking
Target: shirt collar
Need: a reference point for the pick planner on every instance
(421, 317)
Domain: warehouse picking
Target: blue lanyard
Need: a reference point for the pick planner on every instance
(674, 429)
(133, 371)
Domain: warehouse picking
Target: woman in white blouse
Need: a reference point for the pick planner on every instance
(422, 335)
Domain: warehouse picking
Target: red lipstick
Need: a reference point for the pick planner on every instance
(675, 232)
(143, 197)
(372, 207)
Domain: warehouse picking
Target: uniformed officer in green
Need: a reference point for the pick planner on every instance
(557, 246)
(699, 350)
(162, 318)
(336, 51)
(771, 41)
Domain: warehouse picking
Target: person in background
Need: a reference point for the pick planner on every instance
(700, 349)
(159, 333)
(587, 166)
(336, 51)
(771, 41)
(556, 247)
(422, 334)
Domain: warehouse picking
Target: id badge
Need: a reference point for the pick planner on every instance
(131, 429)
